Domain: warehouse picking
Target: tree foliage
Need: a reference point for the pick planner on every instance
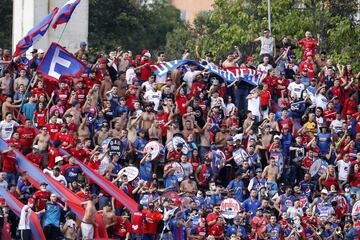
(131, 24)
(6, 23)
(238, 22)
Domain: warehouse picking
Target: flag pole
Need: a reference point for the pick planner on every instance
(58, 41)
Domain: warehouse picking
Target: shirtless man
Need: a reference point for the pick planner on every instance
(100, 136)
(148, 117)
(116, 132)
(132, 125)
(188, 129)
(75, 111)
(232, 59)
(271, 174)
(155, 131)
(189, 185)
(43, 140)
(222, 136)
(121, 85)
(21, 80)
(83, 131)
(109, 219)
(88, 222)
(7, 106)
(172, 129)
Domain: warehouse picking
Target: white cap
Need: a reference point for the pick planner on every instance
(147, 55)
(277, 136)
(35, 147)
(40, 51)
(58, 159)
(324, 191)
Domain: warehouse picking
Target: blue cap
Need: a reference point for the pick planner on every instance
(83, 43)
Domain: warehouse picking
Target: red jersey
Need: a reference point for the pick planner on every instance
(80, 154)
(151, 222)
(27, 136)
(41, 197)
(66, 138)
(146, 70)
(53, 128)
(52, 154)
(35, 158)
(309, 67)
(286, 123)
(217, 230)
(38, 92)
(40, 117)
(130, 99)
(122, 227)
(83, 196)
(265, 97)
(181, 101)
(80, 95)
(15, 143)
(329, 115)
(8, 162)
(94, 165)
(63, 95)
(162, 119)
(137, 221)
(210, 217)
(309, 46)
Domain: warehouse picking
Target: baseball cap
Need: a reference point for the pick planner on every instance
(40, 50)
(83, 43)
(58, 159)
(324, 191)
(31, 201)
(43, 184)
(258, 170)
(93, 196)
(277, 136)
(35, 147)
(250, 58)
(147, 55)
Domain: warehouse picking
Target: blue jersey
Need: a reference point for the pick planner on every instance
(71, 173)
(52, 214)
(179, 232)
(251, 205)
(28, 109)
(324, 140)
(139, 145)
(286, 202)
(172, 181)
(237, 187)
(145, 170)
(273, 231)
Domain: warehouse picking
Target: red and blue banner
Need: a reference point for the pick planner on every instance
(65, 13)
(107, 186)
(35, 34)
(16, 206)
(59, 62)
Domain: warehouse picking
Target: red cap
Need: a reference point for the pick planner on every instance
(102, 60)
(2, 200)
(313, 79)
(31, 201)
(144, 51)
(349, 112)
(308, 54)
(177, 202)
(250, 58)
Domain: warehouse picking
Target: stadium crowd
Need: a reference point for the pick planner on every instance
(215, 160)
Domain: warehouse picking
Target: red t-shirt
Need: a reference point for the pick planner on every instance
(8, 162)
(145, 71)
(181, 101)
(80, 154)
(35, 158)
(53, 128)
(210, 217)
(15, 143)
(63, 95)
(309, 46)
(122, 227)
(286, 123)
(66, 138)
(40, 117)
(27, 136)
(130, 99)
(137, 221)
(265, 97)
(216, 230)
(82, 195)
(162, 119)
(151, 222)
(309, 67)
(52, 154)
(41, 197)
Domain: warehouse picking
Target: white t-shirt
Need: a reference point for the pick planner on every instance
(130, 76)
(293, 212)
(4, 184)
(58, 178)
(24, 222)
(321, 101)
(253, 106)
(7, 128)
(229, 108)
(336, 125)
(152, 96)
(296, 88)
(264, 69)
(189, 78)
(187, 168)
(343, 168)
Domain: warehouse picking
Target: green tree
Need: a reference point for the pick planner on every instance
(6, 23)
(239, 22)
(131, 24)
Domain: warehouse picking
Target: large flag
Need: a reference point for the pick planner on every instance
(65, 13)
(59, 62)
(35, 34)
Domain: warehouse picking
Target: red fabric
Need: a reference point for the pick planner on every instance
(309, 67)
(65, 138)
(8, 162)
(265, 97)
(53, 128)
(145, 71)
(41, 197)
(122, 227)
(309, 46)
(41, 117)
(52, 154)
(181, 101)
(137, 221)
(27, 136)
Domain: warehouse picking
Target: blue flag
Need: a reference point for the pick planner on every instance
(58, 62)
(35, 34)
(65, 13)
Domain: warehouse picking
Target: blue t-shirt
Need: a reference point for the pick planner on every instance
(172, 181)
(274, 231)
(139, 144)
(52, 214)
(324, 140)
(237, 187)
(71, 173)
(251, 205)
(28, 109)
(146, 171)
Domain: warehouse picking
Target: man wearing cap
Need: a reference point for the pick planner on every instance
(82, 51)
(144, 67)
(53, 212)
(35, 156)
(122, 226)
(41, 197)
(152, 218)
(24, 222)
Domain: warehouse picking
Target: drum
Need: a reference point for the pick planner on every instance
(179, 171)
(356, 209)
(171, 145)
(240, 155)
(113, 145)
(155, 149)
(131, 172)
(318, 168)
(279, 160)
(229, 208)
